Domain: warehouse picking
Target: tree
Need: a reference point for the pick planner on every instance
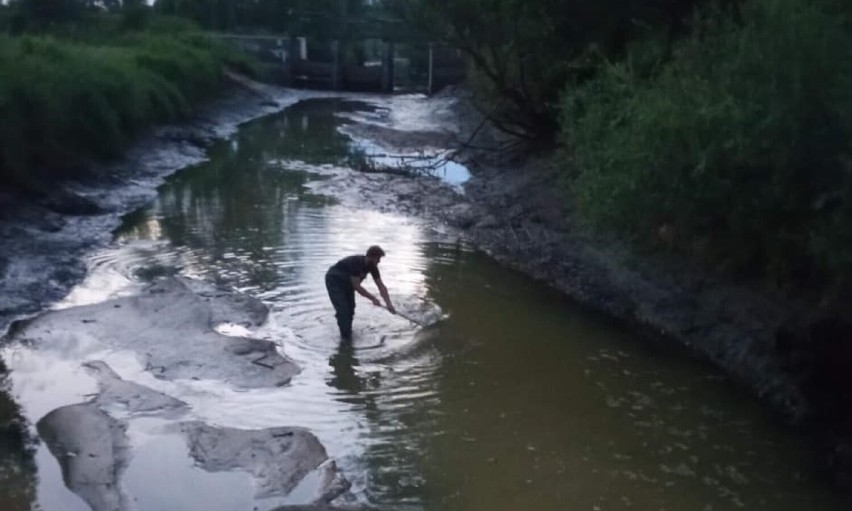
(314, 17)
(523, 53)
(134, 14)
(41, 13)
(110, 5)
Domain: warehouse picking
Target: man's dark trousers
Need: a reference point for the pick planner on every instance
(342, 296)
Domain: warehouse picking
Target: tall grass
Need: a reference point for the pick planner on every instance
(739, 147)
(64, 102)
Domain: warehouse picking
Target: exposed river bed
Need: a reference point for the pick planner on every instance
(198, 365)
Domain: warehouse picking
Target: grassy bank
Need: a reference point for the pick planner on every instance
(736, 149)
(67, 99)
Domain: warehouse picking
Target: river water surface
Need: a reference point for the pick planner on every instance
(515, 400)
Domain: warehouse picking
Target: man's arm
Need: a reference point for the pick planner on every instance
(356, 285)
(384, 292)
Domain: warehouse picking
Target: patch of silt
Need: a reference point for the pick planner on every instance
(169, 325)
(278, 458)
(133, 397)
(94, 451)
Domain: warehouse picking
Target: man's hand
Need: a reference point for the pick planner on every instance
(376, 301)
(385, 296)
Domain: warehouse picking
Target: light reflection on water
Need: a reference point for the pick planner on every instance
(518, 400)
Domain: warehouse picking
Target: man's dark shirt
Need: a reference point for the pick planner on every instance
(354, 266)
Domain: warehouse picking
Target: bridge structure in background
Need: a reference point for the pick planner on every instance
(287, 55)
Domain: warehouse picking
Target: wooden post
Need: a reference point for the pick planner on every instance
(290, 65)
(430, 88)
(387, 67)
(293, 50)
(336, 67)
(303, 48)
(337, 60)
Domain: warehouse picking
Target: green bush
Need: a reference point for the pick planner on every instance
(738, 147)
(5, 18)
(63, 102)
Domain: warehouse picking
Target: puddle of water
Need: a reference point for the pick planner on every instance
(428, 162)
(408, 112)
(516, 400)
(413, 114)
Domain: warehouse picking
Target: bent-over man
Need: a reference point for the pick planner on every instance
(344, 279)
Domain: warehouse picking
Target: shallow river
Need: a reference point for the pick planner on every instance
(516, 400)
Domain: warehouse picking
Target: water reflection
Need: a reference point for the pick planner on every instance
(547, 407)
(344, 368)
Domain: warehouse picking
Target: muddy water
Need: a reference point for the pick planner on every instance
(516, 400)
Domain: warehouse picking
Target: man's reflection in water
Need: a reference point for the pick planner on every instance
(344, 366)
(348, 379)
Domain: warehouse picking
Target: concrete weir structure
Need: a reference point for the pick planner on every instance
(289, 61)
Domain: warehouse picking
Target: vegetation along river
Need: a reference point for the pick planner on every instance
(512, 398)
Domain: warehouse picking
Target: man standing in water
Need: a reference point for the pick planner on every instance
(344, 278)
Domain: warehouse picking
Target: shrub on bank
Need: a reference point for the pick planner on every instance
(63, 102)
(736, 150)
